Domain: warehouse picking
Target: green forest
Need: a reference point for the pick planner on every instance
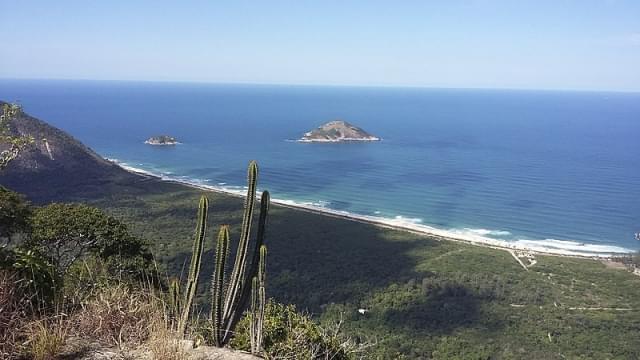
(423, 298)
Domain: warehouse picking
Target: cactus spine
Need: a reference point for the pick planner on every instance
(194, 267)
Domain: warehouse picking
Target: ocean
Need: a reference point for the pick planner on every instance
(546, 170)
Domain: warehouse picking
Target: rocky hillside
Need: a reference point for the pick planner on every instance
(337, 131)
(54, 159)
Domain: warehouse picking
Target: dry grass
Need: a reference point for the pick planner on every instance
(165, 344)
(12, 314)
(129, 318)
(118, 316)
(113, 315)
(46, 337)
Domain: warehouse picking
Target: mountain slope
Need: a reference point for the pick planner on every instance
(55, 159)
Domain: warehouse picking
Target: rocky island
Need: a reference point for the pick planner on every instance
(161, 140)
(337, 131)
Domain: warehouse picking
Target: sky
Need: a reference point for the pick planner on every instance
(556, 44)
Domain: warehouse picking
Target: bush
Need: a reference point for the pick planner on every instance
(289, 334)
(35, 275)
(69, 232)
(15, 212)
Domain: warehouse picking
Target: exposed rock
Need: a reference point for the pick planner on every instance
(80, 351)
(162, 140)
(337, 131)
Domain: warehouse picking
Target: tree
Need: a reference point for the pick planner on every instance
(14, 143)
(15, 213)
(67, 232)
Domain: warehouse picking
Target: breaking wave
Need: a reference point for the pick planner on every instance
(489, 237)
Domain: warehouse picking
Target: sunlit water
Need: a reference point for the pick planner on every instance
(561, 169)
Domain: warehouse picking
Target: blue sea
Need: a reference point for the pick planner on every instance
(550, 170)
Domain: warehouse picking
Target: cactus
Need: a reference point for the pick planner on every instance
(234, 314)
(194, 267)
(258, 302)
(237, 276)
(174, 299)
(217, 283)
(230, 298)
(239, 287)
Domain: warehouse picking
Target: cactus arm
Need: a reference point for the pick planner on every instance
(237, 280)
(174, 300)
(265, 201)
(252, 314)
(262, 298)
(194, 268)
(217, 283)
(258, 300)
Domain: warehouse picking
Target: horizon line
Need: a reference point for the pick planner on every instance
(390, 86)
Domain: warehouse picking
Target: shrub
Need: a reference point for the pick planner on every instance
(289, 334)
(69, 232)
(15, 212)
(34, 274)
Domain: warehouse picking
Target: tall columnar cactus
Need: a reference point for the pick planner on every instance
(194, 267)
(258, 303)
(217, 283)
(238, 288)
(230, 297)
(237, 275)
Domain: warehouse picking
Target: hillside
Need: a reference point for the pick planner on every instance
(55, 161)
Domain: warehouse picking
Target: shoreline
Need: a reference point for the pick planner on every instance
(408, 225)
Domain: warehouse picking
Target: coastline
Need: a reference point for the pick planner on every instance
(554, 247)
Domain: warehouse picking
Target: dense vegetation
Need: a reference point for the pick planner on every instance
(76, 274)
(424, 298)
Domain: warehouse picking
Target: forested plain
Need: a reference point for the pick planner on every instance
(422, 297)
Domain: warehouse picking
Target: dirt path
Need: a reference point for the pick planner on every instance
(447, 254)
(513, 253)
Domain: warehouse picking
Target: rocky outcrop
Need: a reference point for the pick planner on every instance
(162, 140)
(337, 131)
(78, 350)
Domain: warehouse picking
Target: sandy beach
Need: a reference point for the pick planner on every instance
(474, 237)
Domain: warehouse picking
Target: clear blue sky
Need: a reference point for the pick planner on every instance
(556, 44)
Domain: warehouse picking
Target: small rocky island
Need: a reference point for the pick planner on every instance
(161, 140)
(337, 131)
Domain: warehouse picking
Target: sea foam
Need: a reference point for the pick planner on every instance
(480, 236)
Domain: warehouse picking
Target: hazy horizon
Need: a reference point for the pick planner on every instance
(486, 44)
(390, 86)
